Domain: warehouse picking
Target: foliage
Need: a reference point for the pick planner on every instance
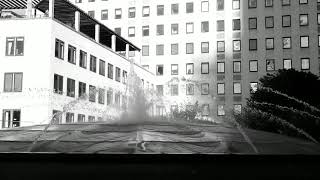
(187, 113)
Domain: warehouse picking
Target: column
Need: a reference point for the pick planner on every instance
(29, 9)
(113, 42)
(127, 51)
(77, 21)
(97, 32)
(51, 8)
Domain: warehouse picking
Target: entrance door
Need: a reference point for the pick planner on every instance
(11, 118)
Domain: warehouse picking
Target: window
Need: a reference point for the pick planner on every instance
(220, 5)
(91, 0)
(189, 7)
(160, 29)
(69, 117)
(252, 3)
(160, 10)
(305, 63)
(236, 66)
(110, 71)
(101, 96)
(174, 69)
(109, 97)
(303, 19)
(204, 6)
(220, 46)
(81, 118)
(82, 89)
(189, 48)
(174, 8)
(303, 1)
(220, 25)
(57, 84)
(93, 63)
(220, 67)
(132, 12)
(174, 28)
(237, 108)
(189, 89)
(104, 14)
(174, 90)
(253, 87)
(220, 89)
(286, 42)
(159, 90)
(285, 2)
(304, 41)
(235, 4)
(117, 99)
(159, 70)
(253, 65)
(57, 117)
(318, 40)
(78, 1)
(59, 49)
(268, 3)
(252, 23)
(287, 64)
(118, 74)
(236, 24)
(83, 59)
(252, 44)
(118, 13)
(286, 21)
(269, 43)
(131, 31)
(189, 68)
(204, 88)
(71, 54)
(91, 118)
(205, 26)
(269, 22)
(174, 49)
(159, 49)
(145, 30)
(145, 50)
(102, 67)
(204, 47)
(318, 17)
(270, 63)
(92, 93)
(145, 11)
(236, 88)
(124, 77)
(117, 31)
(15, 46)
(221, 111)
(236, 45)
(189, 28)
(91, 14)
(71, 85)
(205, 68)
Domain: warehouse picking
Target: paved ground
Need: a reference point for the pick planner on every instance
(150, 138)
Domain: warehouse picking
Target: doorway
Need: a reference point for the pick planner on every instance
(11, 118)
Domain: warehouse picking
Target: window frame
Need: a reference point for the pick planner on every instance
(174, 65)
(110, 71)
(204, 87)
(265, 22)
(234, 89)
(301, 61)
(284, 16)
(74, 54)
(266, 44)
(224, 67)
(192, 69)
(202, 68)
(203, 49)
(256, 44)
(252, 18)
(274, 65)
(283, 47)
(218, 89)
(250, 66)
(233, 67)
(304, 15)
(307, 40)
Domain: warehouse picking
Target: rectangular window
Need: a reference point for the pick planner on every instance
(220, 5)
(118, 74)
(82, 89)
(204, 88)
(69, 117)
(221, 111)
(253, 44)
(132, 12)
(236, 25)
(205, 6)
(220, 25)
(145, 11)
(204, 47)
(189, 48)
(268, 3)
(220, 46)
(205, 26)
(57, 84)
(269, 22)
(83, 59)
(189, 68)
(303, 1)
(253, 87)
(159, 70)
(71, 54)
(304, 41)
(145, 50)
(189, 28)
(220, 67)
(104, 14)
(174, 49)
(81, 118)
(287, 64)
(305, 63)
(159, 90)
(318, 17)
(110, 71)
(253, 66)
(252, 23)
(286, 43)
(189, 89)
(174, 8)
(174, 29)
(252, 3)
(205, 68)
(131, 31)
(71, 87)
(91, 118)
(118, 13)
(124, 77)
(303, 19)
(269, 43)
(220, 89)
(93, 63)
(109, 97)
(174, 90)
(101, 96)
(91, 13)
(174, 69)
(235, 4)
(189, 7)
(145, 30)
(160, 29)
(286, 21)
(117, 99)
(92, 93)
(236, 66)
(160, 10)
(57, 117)
(270, 63)
(285, 2)
(59, 49)
(236, 88)
(236, 45)
(159, 49)
(102, 67)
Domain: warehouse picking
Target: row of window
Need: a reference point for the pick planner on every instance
(269, 3)
(205, 109)
(70, 117)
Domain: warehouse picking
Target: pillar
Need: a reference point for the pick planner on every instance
(77, 21)
(51, 8)
(97, 32)
(127, 51)
(29, 9)
(113, 42)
